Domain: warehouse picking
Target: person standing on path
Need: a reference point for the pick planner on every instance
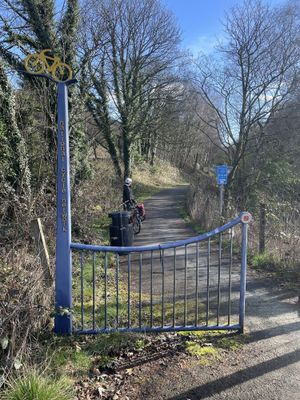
(128, 198)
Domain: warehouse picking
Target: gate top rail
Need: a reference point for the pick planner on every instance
(244, 218)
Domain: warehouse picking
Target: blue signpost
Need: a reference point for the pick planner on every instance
(63, 277)
(222, 172)
(46, 66)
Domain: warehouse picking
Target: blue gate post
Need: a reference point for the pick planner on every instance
(245, 219)
(63, 279)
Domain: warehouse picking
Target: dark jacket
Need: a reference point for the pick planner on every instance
(128, 197)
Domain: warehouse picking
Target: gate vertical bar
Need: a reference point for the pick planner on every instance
(197, 283)
(208, 281)
(174, 285)
(117, 289)
(94, 293)
(105, 290)
(219, 277)
(243, 276)
(129, 289)
(140, 289)
(229, 275)
(81, 289)
(185, 286)
(151, 291)
(63, 279)
(162, 288)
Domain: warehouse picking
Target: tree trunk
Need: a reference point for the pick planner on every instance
(126, 156)
(262, 228)
(196, 163)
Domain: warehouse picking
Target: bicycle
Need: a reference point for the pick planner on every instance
(40, 63)
(136, 221)
(135, 218)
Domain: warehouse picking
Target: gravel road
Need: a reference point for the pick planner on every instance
(266, 368)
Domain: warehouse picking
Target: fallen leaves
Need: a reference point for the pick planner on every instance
(106, 380)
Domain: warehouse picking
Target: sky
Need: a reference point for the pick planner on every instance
(200, 21)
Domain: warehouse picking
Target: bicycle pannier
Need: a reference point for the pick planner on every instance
(142, 211)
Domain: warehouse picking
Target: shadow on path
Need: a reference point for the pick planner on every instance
(272, 332)
(219, 385)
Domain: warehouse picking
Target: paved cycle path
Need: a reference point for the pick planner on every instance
(266, 368)
(163, 222)
(175, 272)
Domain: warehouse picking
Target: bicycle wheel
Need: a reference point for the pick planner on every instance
(34, 64)
(136, 223)
(62, 72)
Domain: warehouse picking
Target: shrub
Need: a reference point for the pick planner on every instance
(36, 387)
(25, 303)
(263, 261)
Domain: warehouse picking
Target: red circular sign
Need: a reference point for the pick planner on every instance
(246, 218)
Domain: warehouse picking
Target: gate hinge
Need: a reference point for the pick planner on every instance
(63, 311)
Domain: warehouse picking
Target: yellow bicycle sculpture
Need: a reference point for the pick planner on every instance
(41, 63)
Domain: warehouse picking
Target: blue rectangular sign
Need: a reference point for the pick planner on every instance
(222, 174)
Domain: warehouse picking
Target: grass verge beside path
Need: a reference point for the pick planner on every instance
(189, 221)
(287, 274)
(149, 180)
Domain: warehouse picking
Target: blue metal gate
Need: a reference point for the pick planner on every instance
(193, 284)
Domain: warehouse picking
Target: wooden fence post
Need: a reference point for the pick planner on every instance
(42, 250)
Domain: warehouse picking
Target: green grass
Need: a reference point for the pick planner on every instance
(148, 180)
(111, 344)
(76, 356)
(143, 191)
(34, 386)
(101, 225)
(283, 270)
(263, 261)
(268, 263)
(71, 357)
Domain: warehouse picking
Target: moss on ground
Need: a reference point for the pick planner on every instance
(209, 345)
(203, 353)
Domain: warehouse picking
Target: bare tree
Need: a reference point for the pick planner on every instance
(130, 48)
(183, 135)
(250, 80)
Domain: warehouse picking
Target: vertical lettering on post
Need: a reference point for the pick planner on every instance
(64, 214)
